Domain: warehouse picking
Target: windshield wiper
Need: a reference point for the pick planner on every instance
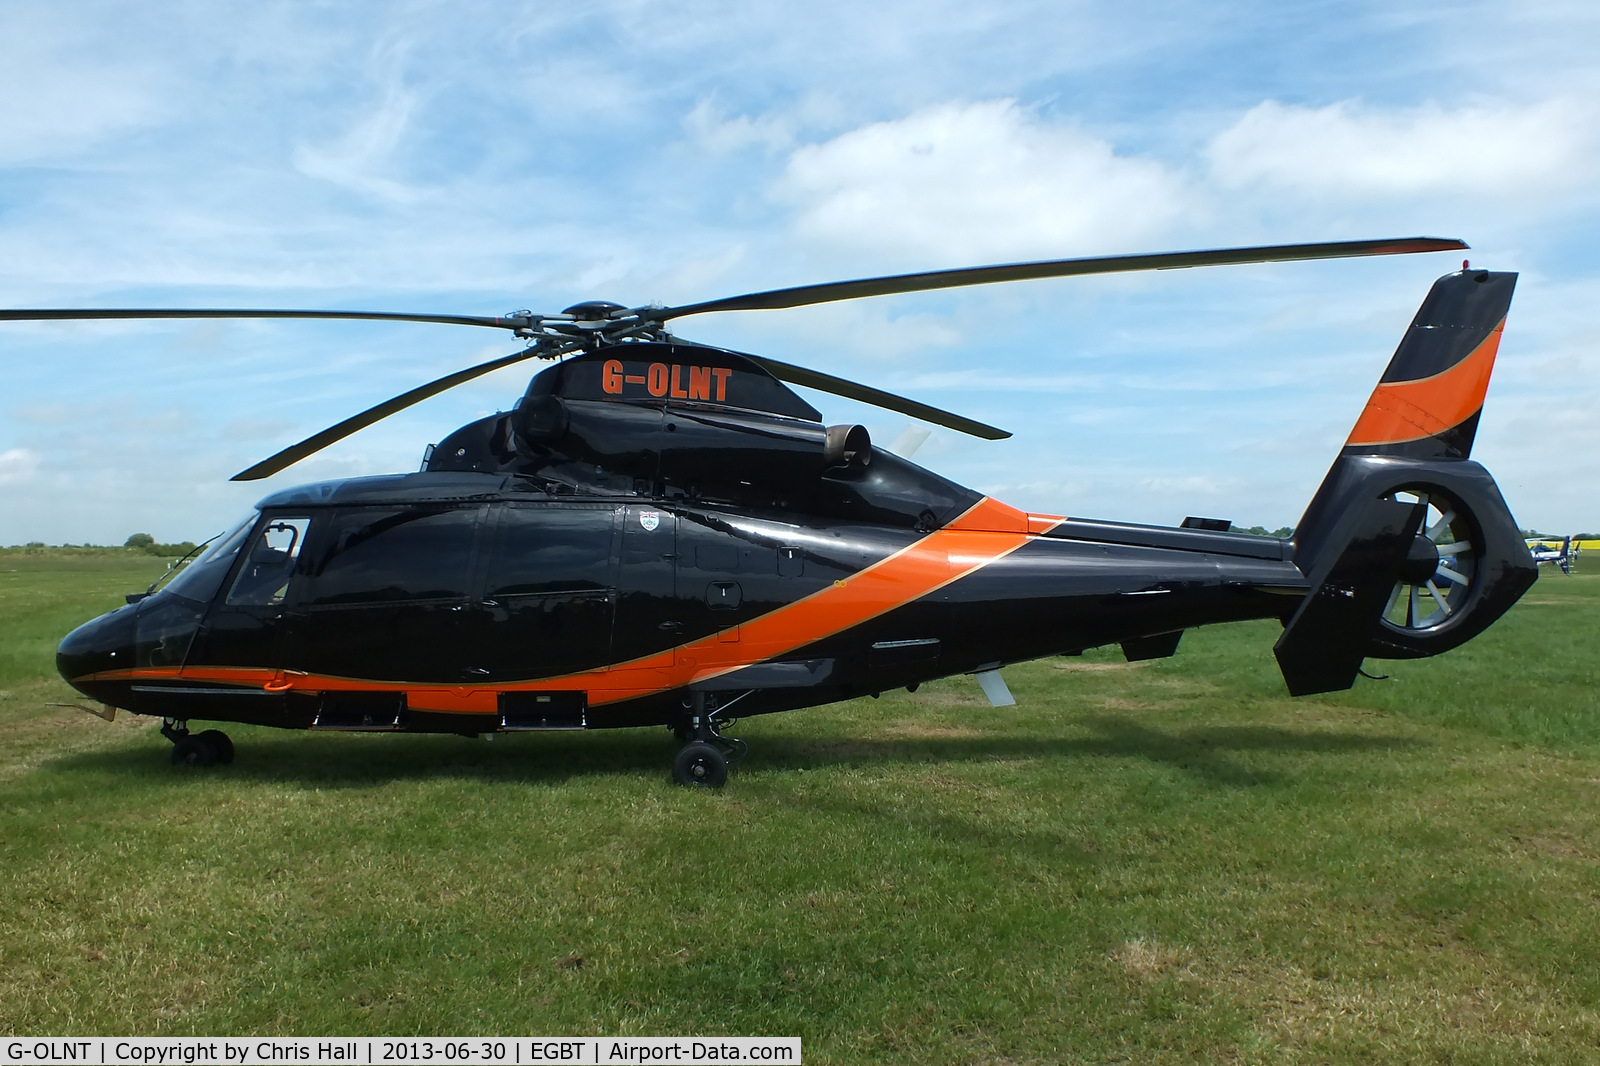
(135, 597)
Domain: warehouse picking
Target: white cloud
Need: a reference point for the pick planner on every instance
(712, 132)
(975, 182)
(1193, 485)
(17, 465)
(1348, 149)
(361, 158)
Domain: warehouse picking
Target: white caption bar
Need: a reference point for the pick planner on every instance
(366, 1051)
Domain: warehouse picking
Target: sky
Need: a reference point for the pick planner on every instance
(482, 157)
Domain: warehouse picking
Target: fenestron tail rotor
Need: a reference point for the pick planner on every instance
(1423, 601)
(595, 324)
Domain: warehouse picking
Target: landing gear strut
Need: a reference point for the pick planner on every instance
(209, 748)
(703, 761)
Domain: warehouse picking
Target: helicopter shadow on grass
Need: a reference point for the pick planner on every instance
(1209, 753)
(333, 761)
(1205, 751)
(341, 761)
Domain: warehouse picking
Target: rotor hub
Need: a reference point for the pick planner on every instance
(594, 310)
(1422, 561)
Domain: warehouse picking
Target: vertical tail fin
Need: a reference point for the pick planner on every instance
(1427, 403)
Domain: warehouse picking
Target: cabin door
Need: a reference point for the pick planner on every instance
(549, 593)
(244, 632)
(650, 622)
(384, 595)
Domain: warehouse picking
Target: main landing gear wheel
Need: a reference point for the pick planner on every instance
(703, 760)
(701, 765)
(1436, 585)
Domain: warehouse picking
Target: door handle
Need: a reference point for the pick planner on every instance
(670, 627)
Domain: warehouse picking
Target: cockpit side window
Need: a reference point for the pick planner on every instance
(200, 580)
(264, 578)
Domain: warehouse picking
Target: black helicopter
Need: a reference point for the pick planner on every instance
(663, 533)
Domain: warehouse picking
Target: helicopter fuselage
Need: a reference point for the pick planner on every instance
(463, 602)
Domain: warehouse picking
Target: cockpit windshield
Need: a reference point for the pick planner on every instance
(201, 578)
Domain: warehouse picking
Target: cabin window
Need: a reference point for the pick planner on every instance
(264, 578)
(542, 548)
(385, 555)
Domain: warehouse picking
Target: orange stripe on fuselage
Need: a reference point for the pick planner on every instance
(1401, 411)
(987, 531)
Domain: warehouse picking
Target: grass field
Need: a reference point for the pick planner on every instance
(1167, 862)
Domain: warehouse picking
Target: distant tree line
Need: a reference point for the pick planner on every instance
(1282, 532)
(1534, 534)
(144, 542)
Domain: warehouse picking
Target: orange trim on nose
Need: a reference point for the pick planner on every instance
(1401, 411)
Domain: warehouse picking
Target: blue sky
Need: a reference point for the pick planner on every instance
(483, 157)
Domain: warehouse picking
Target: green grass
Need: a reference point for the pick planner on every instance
(1164, 862)
(45, 593)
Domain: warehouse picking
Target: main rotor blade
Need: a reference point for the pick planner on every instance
(815, 379)
(828, 292)
(59, 314)
(296, 452)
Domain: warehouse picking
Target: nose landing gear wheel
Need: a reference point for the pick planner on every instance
(193, 751)
(701, 765)
(220, 744)
(197, 749)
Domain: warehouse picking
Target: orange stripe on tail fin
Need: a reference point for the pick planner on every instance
(1427, 403)
(1403, 411)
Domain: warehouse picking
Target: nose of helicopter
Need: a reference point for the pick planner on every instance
(97, 646)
